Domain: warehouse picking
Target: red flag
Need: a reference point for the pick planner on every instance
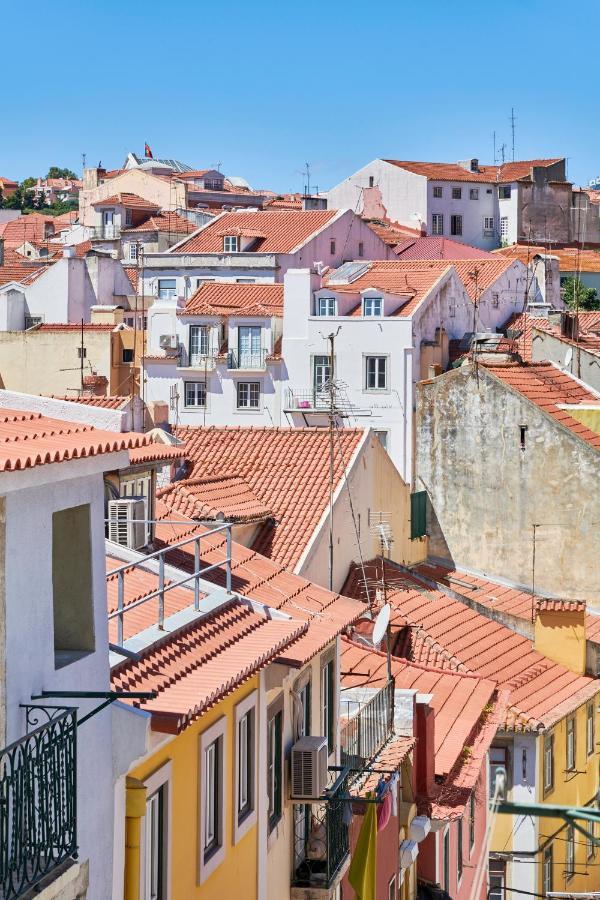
(148, 152)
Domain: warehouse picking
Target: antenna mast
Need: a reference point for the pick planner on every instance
(512, 126)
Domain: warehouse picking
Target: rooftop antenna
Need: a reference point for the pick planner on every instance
(503, 152)
(307, 186)
(332, 413)
(83, 157)
(512, 126)
(494, 139)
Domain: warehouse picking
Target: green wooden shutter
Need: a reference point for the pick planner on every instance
(418, 514)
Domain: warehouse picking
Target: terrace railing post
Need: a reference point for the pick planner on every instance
(161, 588)
(228, 564)
(197, 574)
(120, 600)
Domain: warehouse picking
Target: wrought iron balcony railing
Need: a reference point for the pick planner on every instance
(317, 398)
(321, 840)
(38, 803)
(363, 735)
(204, 361)
(246, 359)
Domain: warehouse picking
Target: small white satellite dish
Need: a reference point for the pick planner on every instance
(381, 623)
(568, 357)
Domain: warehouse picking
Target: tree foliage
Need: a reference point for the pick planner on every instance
(576, 294)
(57, 172)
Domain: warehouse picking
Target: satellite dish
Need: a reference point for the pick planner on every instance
(381, 623)
(568, 357)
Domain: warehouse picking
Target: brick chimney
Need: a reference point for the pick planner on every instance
(425, 749)
(97, 385)
(560, 632)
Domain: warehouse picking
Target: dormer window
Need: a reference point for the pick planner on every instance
(372, 306)
(230, 243)
(128, 217)
(326, 306)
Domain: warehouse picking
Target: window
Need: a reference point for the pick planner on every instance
(438, 192)
(456, 193)
(81, 352)
(498, 761)
(245, 280)
(446, 860)
(437, 223)
(322, 372)
(504, 192)
(570, 867)
(547, 871)
(372, 306)
(230, 243)
(155, 847)
(418, 515)
(326, 306)
(522, 435)
(392, 888)
(73, 604)
(361, 248)
(332, 247)
(213, 184)
(167, 288)
(504, 228)
(274, 761)
(31, 321)
(474, 194)
(382, 437)
(456, 225)
(590, 737)
(495, 300)
(548, 762)
(212, 798)
(199, 343)
(328, 703)
(488, 224)
(250, 355)
(245, 777)
(590, 847)
(127, 355)
(472, 821)
(571, 743)
(371, 181)
(128, 217)
(497, 879)
(195, 394)
(459, 849)
(133, 250)
(376, 373)
(248, 395)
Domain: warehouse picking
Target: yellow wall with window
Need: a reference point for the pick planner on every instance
(236, 875)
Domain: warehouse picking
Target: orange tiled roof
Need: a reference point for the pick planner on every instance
(24, 228)
(588, 339)
(286, 468)
(9, 182)
(92, 400)
(487, 270)
(29, 439)
(170, 222)
(570, 259)
(222, 497)
(433, 247)
(547, 387)
(540, 691)
(392, 233)
(155, 452)
(133, 274)
(512, 171)
(129, 201)
(218, 298)
(265, 581)
(291, 201)
(283, 230)
(411, 280)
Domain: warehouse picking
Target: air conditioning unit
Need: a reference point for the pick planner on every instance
(168, 341)
(309, 768)
(126, 522)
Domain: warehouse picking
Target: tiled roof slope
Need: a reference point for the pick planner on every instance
(170, 222)
(23, 272)
(570, 259)
(283, 230)
(130, 201)
(525, 323)
(438, 248)
(226, 497)
(541, 691)
(544, 385)
(264, 581)
(394, 277)
(24, 228)
(92, 400)
(392, 233)
(588, 337)
(512, 171)
(286, 468)
(30, 439)
(476, 276)
(217, 298)
(133, 274)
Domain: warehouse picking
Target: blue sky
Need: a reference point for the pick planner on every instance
(264, 87)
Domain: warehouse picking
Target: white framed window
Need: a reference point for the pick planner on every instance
(498, 757)
(199, 343)
(212, 798)
(156, 835)
(133, 250)
(361, 248)
(548, 762)
(446, 860)
(275, 762)
(437, 223)
(328, 703)
(504, 192)
(248, 394)
(571, 745)
(195, 394)
(456, 227)
(456, 193)
(245, 280)
(372, 306)
(473, 193)
(488, 224)
(246, 754)
(590, 847)
(504, 228)
(322, 372)
(326, 306)
(547, 871)
(471, 821)
(459, 849)
(167, 288)
(438, 192)
(230, 243)
(570, 866)
(376, 373)
(590, 730)
(332, 247)
(495, 300)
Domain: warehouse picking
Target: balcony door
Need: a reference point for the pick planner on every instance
(322, 375)
(108, 222)
(199, 344)
(249, 346)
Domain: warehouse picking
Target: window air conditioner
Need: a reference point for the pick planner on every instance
(309, 768)
(168, 342)
(127, 522)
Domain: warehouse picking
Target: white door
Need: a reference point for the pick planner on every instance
(249, 347)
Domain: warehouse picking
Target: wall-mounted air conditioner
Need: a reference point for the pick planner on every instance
(126, 522)
(309, 768)
(168, 341)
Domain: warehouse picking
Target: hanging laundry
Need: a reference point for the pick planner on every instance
(363, 868)
(384, 811)
(394, 792)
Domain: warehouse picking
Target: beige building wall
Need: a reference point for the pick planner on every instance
(169, 194)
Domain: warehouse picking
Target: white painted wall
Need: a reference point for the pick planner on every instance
(522, 873)
(396, 194)
(473, 211)
(509, 208)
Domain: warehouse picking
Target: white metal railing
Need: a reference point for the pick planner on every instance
(197, 575)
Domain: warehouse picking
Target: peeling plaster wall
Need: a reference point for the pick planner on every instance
(486, 492)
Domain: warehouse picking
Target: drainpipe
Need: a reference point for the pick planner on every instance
(135, 810)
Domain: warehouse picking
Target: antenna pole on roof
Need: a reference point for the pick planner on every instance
(512, 126)
(331, 338)
(494, 139)
(81, 350)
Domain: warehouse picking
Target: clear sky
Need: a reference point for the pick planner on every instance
(263, 87)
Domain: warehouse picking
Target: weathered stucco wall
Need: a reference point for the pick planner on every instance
(486, 492)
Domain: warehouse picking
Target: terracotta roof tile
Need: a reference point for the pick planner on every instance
(512, 171)
(129, 201)
(218, 298)
(486, 269)
(570, 259)
(222, 497)
(413, 281)
(432, 247)
(169, 222)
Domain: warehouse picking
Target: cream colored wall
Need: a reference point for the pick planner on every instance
(47, 362)
(166, 194)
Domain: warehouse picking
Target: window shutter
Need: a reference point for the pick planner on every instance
(418, 515)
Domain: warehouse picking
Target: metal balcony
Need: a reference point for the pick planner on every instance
(308, 400)
(204, 362)
(363, 735)
(247, 360)
(38, 801)
(321, 840)
(105, 232)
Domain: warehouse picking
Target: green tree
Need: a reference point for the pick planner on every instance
(575, 293)
(57, 172)
(28, 183)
